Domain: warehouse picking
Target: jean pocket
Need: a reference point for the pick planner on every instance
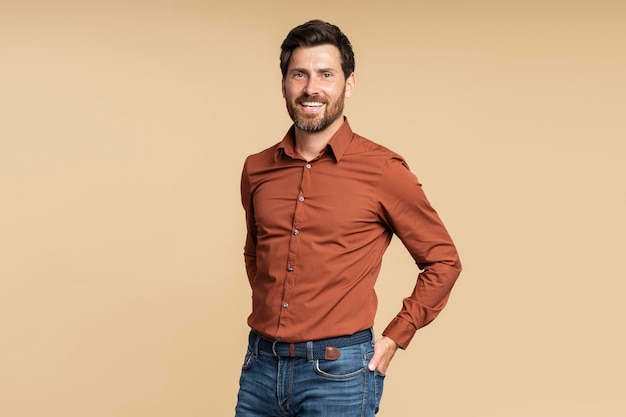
(247, 360)
(350, 364)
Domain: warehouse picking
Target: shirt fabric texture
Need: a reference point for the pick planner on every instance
(317, 232)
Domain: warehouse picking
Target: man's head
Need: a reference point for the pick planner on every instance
(317, 63)
(314, 33)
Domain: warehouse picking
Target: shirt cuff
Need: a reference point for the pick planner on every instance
(400, 331)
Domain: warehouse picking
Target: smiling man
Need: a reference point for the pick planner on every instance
(315, 88)
(321, 208)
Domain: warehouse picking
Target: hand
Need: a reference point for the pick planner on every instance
(384, 349)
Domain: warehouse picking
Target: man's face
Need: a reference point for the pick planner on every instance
(315, 88)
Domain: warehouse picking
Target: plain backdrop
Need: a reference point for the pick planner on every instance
(123, 129)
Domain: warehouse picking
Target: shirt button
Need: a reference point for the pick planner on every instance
(285, 305)
(308, 166)
(301, 198)
(296, 232)
(290, 268)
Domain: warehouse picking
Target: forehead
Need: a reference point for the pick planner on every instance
(315, 56)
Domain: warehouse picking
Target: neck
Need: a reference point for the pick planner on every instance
(310, 144)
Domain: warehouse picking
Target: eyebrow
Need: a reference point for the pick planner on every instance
(318, 70)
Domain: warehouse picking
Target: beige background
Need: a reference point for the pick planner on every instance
(123, 128)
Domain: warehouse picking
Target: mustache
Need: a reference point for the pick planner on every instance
(306, 98)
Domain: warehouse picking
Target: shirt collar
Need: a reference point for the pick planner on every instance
(338, 144)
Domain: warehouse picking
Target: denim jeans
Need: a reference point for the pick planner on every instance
(272, 386)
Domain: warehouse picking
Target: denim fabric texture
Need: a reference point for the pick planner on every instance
(272, 386)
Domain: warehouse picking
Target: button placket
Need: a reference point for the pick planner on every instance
(292, 258)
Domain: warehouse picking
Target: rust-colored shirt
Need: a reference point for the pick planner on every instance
(317, 231)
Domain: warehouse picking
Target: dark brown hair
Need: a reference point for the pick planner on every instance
(314, 33)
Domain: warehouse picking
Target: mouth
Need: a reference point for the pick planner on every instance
(311, 106)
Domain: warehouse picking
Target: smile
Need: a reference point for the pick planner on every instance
(312, 104)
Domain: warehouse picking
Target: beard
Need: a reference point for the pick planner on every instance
(315, 123)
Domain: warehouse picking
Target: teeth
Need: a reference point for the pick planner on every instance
(313, 104)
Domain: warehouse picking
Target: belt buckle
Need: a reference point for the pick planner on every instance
(274, 347)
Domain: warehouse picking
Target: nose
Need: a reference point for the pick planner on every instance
(312, 86)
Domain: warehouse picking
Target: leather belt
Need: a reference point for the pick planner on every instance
(327, 349)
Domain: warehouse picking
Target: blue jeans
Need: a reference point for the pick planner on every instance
(272, 386)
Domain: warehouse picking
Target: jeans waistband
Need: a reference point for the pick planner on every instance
(316, 349)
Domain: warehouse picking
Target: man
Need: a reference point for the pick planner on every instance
(321, 208)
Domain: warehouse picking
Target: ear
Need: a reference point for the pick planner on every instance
(350, 84)
(282, 86)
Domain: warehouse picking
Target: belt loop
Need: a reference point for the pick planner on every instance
(254, 345)
(309, 351)
(373, 335)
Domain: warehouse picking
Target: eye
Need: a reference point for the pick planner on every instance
(298, 74)
(327, 75)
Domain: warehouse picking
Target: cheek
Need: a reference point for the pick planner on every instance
(289, 91)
